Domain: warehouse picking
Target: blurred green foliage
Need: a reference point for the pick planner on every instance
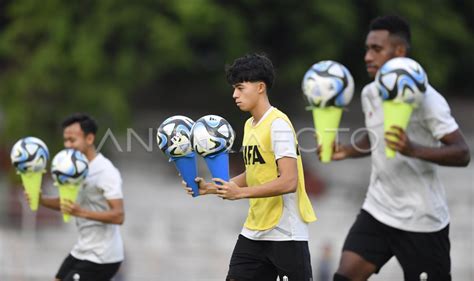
(114, 57)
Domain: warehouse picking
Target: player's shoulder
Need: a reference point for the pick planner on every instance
(280, 115)
(433, 99)
(280, 123)
(106, 164)
(432, 95)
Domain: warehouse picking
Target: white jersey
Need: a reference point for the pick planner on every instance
(290, 227)
(405, 192)
(99, 242)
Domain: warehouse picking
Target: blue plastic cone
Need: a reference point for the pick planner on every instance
(187, 167)
(218, 165)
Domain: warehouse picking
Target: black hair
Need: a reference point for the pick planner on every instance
(395, 25)
(88, 124)
(251, 68)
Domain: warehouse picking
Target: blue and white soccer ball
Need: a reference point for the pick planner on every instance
(69, 166)
(328, 83)
(403, 80)
(29, 154)
(174, 136)
(212, 135)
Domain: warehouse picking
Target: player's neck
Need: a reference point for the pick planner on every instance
(259, 110)
(91, 154)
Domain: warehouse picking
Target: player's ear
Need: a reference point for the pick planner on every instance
(262, 87)
(90, 138)
(401, 50)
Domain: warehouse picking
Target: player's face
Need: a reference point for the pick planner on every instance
(379, 49)
(246, 95)
(74, 137)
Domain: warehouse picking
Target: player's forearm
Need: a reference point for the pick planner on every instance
(452, 155)
(279, 186)
(51, 203)
(111, 217)
(240, 180)
(360, 148)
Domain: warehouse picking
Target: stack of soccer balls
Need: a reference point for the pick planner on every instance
(210, 136)
(328, 86)
(329, 83)
(31, 154)
(30, 157)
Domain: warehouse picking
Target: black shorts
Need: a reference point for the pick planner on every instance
(86, 270)
(416, 252)
(265, 260)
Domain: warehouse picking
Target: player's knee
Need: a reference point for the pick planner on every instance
(339, 277)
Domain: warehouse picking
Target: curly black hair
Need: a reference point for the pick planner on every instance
(251, 68)
(87, 123)
(395, 25)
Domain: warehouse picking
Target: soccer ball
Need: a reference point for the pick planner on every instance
(212, 135)
(402, 79)
(328, 83)
(174, 136)
(69, 166)
(29, 154)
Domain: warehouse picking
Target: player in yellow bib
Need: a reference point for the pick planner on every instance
(274, 239)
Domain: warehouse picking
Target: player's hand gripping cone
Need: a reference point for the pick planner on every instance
(69, 170)
(402, 83)
(395, 114)
(329, 87)
(30, 156)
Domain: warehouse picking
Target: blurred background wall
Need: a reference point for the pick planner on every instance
(131, 64)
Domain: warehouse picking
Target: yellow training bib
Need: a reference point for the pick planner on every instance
(261, 167)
